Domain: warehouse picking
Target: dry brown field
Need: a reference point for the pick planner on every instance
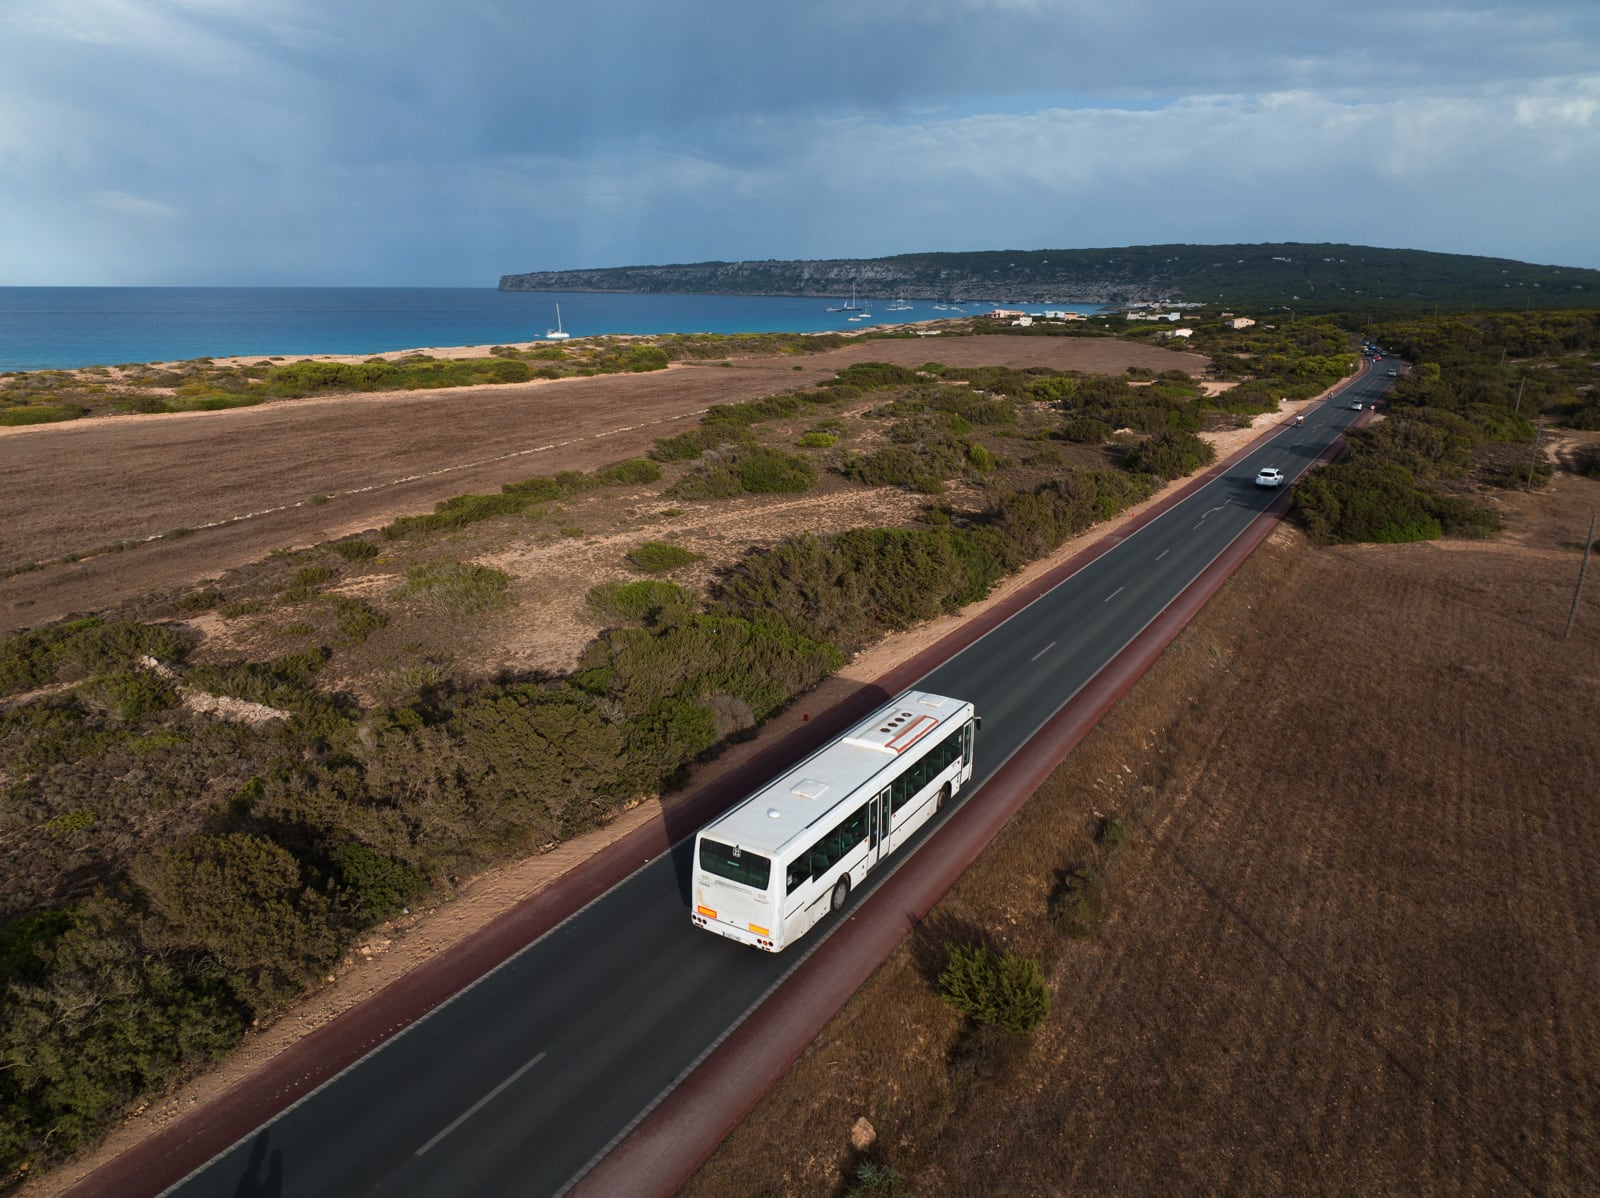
(298, 472)
(1352, 940)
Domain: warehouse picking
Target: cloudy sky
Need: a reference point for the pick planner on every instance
(413, 142)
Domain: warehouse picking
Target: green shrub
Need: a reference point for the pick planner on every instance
(1086, 430)
(77, 650)
(375, 886)
(922, 466)
(771, 471)
(658, 557)
(456, 588)
(683, 447)
(243, 900)
(355, 550)
(1362, 501)
(640, 601)
(313, 576)
(989, 988)
(534, 490)
(458, 512)
(634, 470)
(130, 695)
(41, 414)
(285, 682)
(93, 1022)
(356, 618)
(1169, 455)
(816, 440)
(645, 357)
(874, 1180)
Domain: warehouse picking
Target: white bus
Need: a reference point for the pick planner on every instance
(770, 868)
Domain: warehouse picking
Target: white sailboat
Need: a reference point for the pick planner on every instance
(852, 306)
(558, 333)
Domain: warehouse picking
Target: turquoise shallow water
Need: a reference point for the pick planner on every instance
(62, 327)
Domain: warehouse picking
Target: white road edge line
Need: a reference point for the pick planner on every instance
(481, 1103)
(1043, 651)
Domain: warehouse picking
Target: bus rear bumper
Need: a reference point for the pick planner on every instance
(754, 937)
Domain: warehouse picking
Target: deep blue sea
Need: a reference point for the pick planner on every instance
(45, 328)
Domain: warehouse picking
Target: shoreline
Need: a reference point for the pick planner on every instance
(104, 328)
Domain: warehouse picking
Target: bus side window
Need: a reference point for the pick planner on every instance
(799, 874)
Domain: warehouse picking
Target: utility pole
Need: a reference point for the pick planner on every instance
(1537, 429)
(1582, 570)
(1520, 386)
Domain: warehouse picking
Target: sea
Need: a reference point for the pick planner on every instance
(59, 328)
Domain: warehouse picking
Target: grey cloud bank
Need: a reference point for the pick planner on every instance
(278, 141)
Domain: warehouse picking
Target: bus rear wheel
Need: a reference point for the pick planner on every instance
(841, 892)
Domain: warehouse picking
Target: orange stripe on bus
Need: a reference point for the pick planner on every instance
(707, 912)
(915, 731)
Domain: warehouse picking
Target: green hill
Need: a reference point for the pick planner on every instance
(1289, 273)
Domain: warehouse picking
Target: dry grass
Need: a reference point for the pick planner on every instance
(1352, 939)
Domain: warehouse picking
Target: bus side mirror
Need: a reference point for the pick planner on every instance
(977, 723)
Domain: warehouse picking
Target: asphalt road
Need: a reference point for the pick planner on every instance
(523, 1081)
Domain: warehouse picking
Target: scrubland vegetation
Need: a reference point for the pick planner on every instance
(171, 877)
(204, 385)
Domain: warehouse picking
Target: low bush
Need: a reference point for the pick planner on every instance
(458, 512)
(1362, 501)
(641, 601)
(534, 490)
(355, 618)
(771, 471)
(355, 550)
(659, 557)
(82, 648)
(128, 696)
(455, 588)
(634, 470)
(1085, 430)
(37, 414)
(1002, 989)
(1169, 455)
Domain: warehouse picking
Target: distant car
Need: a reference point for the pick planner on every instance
(1394, 374)
(1269, 476)
(1355, 405)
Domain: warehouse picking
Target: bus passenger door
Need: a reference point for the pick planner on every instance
(878, 815)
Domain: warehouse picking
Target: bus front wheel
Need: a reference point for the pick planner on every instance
(840, 893)
(944, 797)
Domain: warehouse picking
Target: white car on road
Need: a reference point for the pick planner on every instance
(1270, 476)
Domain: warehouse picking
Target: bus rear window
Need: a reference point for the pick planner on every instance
(725, 861)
